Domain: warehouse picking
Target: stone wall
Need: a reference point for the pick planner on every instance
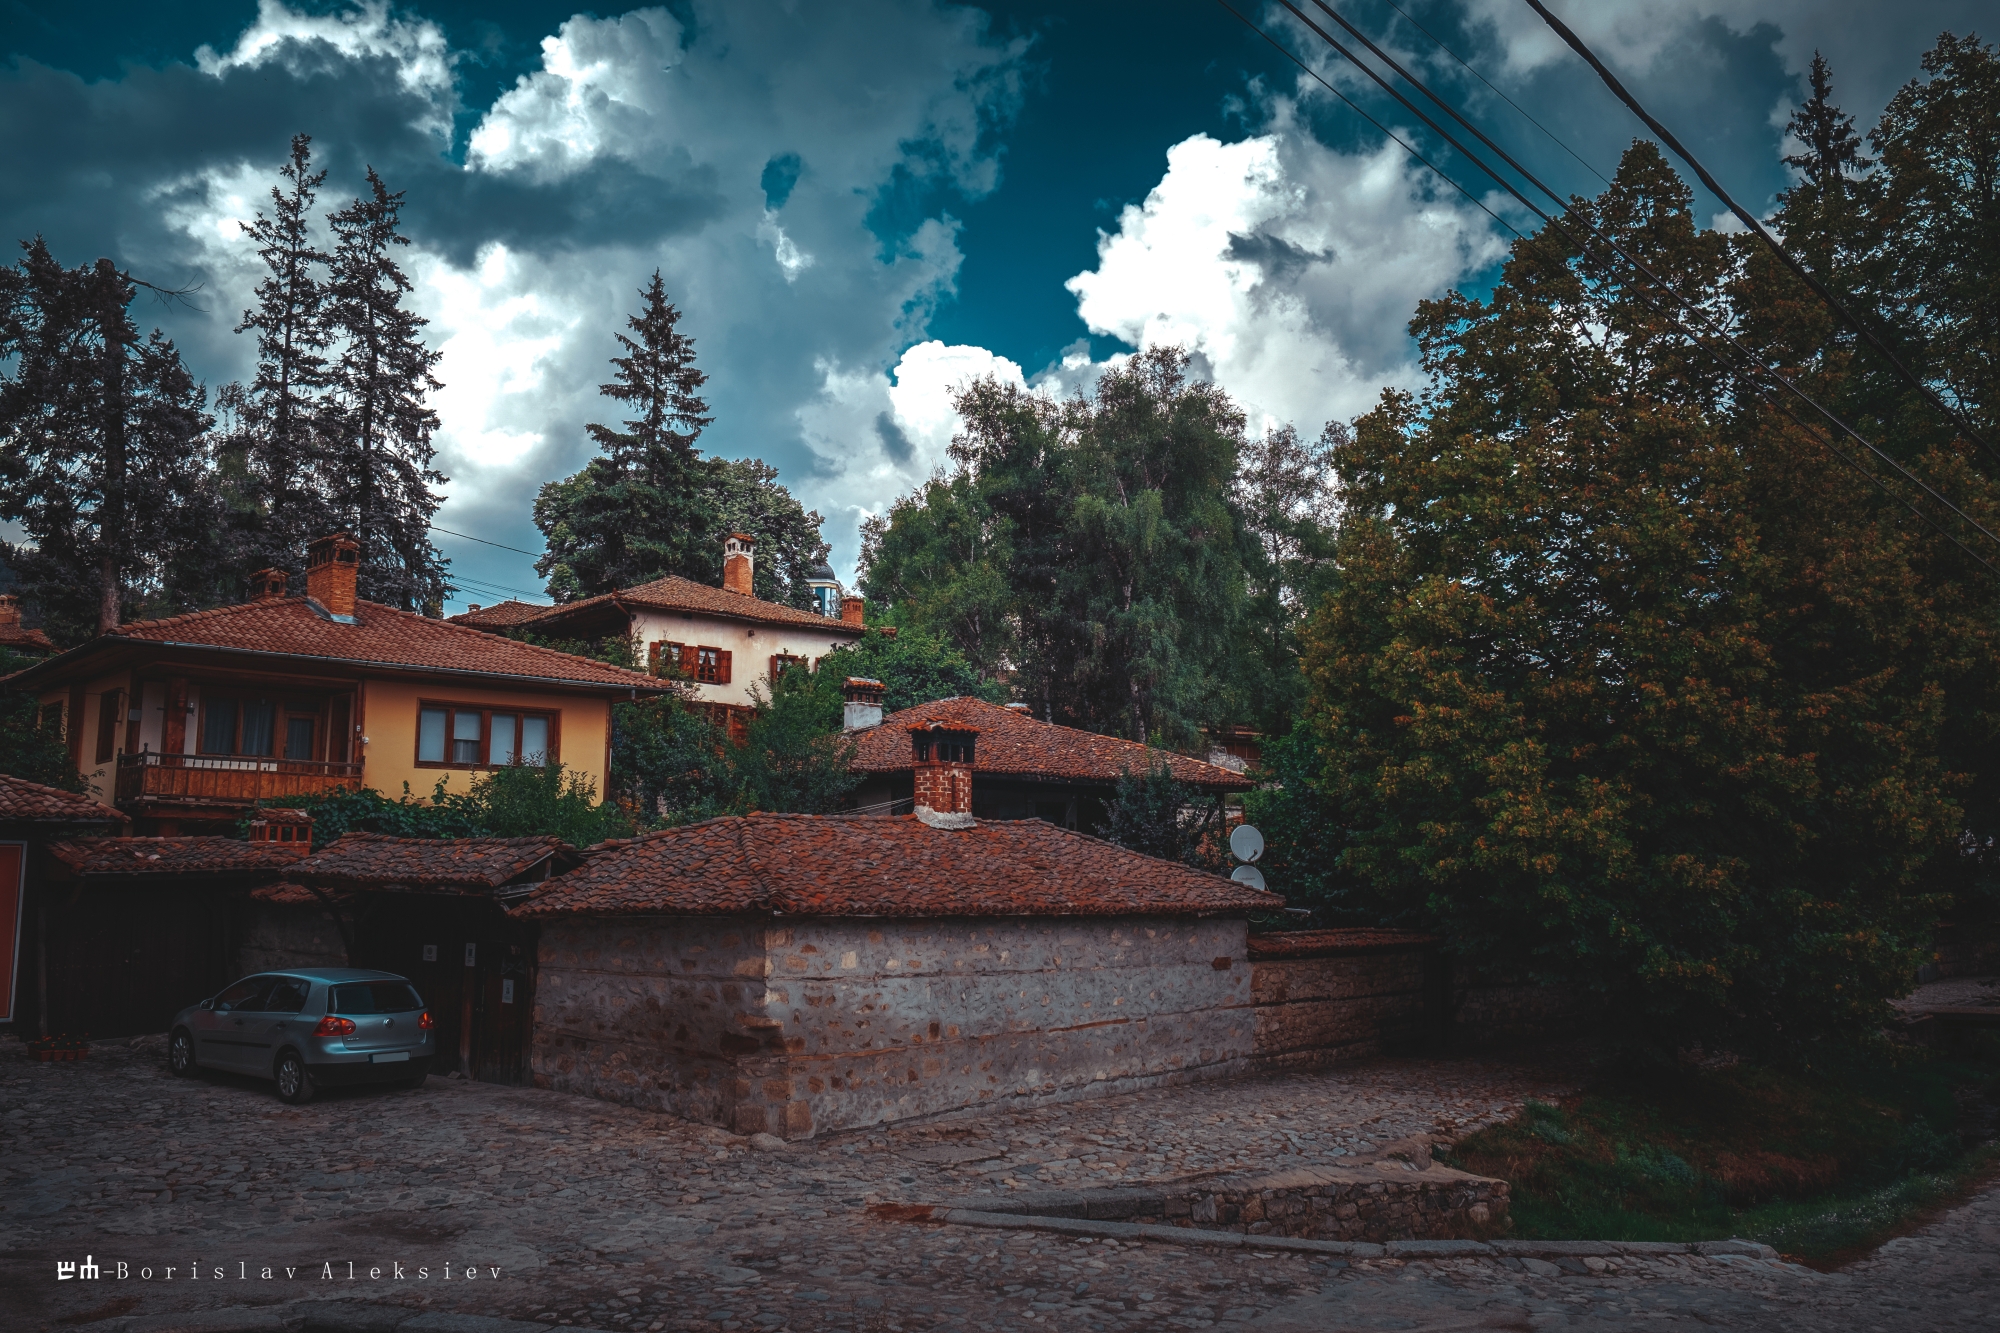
(1331, 995)
(277, 936)
(817, 1024)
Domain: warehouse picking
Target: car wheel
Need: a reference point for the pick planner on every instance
(180, 1053)
(295, 1084)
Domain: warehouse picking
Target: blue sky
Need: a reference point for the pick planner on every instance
(859, 205)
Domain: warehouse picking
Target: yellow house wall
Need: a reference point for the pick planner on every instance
(751, 646)
(102, 778)
(389, 725)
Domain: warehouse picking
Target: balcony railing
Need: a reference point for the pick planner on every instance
(216, 779)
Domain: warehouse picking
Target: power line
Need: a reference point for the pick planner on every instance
(1749, 358)
(1744, 216)
(483, 542)
(1496, 92)
(1584, 254)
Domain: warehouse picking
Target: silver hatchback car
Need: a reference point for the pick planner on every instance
(308, 1028)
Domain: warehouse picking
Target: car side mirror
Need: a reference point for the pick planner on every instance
(208, 1003)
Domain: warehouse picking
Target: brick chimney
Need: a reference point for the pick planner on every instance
(10, 611)
(268, 585)
(739, 555)
(944, 774)
(864, 703)
(332, 563)
(850, 610)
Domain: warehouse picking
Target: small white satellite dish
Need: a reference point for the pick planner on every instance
(1246, 842)
(1248, 876)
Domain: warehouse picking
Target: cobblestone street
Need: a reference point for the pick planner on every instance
(578, 1213)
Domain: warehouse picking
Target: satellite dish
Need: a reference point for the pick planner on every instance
(1246, 842)
(1248, 876)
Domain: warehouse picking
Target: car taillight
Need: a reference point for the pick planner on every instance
(332, 1026)
(426, 1022)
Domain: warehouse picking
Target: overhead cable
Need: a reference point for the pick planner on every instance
(1743, 215)
(1583, 253)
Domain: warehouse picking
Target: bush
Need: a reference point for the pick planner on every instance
(518, 802)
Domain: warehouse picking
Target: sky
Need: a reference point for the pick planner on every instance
(859, 206)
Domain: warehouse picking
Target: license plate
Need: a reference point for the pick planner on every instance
(388, 1057)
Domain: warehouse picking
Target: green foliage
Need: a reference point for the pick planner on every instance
(796, 757)
(27, 749)
(1156, 813)
(1815, 1163)
(1623, 681)
(518, 802)
(1303, 834)
(669, 763)
(1109, 551)
(915, 667)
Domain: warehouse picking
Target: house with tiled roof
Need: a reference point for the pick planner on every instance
(1027, 768)
(722, 640)
(795, 974)
(186, 722)
(499, 616)
(17, 638)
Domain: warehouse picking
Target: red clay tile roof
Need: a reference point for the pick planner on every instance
(378, 861)
(290, 895)
(171, 856)
(674, 593)
(881, 865)
(24, 800)
(1331, 943)
(1013, 744)
(13, 636)
(500, 613)
(383, 636)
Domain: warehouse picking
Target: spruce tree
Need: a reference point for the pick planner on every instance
(638, 510)
(378, 426)
(91, 415)
(281, 408)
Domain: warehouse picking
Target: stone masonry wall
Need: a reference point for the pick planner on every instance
(816, 1024)
(1312, 1010)
(657, 1012)
(277, 936)
(883, 1020)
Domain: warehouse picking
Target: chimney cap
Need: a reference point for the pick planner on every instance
(743, 537)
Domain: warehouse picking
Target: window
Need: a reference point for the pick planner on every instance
(246, 994)
(288, 996)
(695, 662)
(110, 712)
(782, 662)
(374, 997)
(298, 737)
(465, 736)
(251, 727)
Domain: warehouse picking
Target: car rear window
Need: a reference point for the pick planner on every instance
(374, 997)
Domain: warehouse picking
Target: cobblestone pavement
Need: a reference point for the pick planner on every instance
(601, 1216)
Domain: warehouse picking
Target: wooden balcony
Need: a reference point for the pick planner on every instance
(226, 780)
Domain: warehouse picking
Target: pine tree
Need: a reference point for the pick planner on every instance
(91, 415)
(282, 405)
(378, 427)
(637, 511)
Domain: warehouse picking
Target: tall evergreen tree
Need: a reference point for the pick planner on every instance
(637, 511)
(378, 425)
(94, 417)
(281, 408)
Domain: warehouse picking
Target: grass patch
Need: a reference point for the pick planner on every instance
(1819, 1164)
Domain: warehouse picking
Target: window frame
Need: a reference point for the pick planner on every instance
(453, 707)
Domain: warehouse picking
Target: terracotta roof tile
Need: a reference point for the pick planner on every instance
(1331, 943)
(24, 800)
(385, 636)
(1013, 744)
(13, 636)
(674, 593)
(881, 865)
(171, 856)
(379, 861)
(288, 894)
(500, 614)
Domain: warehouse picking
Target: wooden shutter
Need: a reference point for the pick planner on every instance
(653, 657)
(777, 660)
(690, 658)
(722, 667)
(110, 712)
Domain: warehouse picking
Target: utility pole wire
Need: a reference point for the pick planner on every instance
(1584, 254)
(1743, 215)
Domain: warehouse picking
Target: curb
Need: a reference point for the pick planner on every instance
(1346, 1249)
(340, 1316)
